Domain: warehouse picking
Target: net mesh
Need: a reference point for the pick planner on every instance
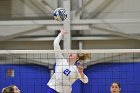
(34, 68)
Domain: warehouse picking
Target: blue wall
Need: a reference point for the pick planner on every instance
(33, 78)
(102, 75)
(77, 87)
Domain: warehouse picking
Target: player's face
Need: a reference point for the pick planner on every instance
(114, 88)
(16, 90)
(73, 56)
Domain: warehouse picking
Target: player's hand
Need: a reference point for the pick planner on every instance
(62, 31)
(80, 69)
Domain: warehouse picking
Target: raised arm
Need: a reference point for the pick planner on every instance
(57, 41)
(56, 44)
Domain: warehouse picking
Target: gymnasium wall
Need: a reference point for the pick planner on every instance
(29, 78)
(33, 78)
(102, 75)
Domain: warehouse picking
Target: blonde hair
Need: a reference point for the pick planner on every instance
(9, 89)
(84, 56)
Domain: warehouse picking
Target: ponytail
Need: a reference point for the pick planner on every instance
(84, 56)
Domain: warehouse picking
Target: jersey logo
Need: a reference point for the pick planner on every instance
(66, 72)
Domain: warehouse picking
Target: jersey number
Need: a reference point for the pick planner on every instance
(67, 72)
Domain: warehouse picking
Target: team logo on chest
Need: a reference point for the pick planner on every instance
(66, 72)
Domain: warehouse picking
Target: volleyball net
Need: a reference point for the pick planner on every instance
(33, 68)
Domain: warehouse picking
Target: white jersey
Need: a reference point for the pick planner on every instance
(65, 75)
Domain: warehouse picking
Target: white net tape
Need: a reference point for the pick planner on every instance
(71, 51)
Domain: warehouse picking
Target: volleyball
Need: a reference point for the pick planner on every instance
(60, 14)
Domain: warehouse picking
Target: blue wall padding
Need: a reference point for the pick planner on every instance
(33, 78)
(29, 78)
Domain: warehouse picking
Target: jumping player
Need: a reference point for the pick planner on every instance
(67, 71)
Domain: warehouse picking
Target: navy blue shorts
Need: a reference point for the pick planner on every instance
(50, 90)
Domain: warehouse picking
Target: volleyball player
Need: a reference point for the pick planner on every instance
(115, 87)
(11, 89)
(67, 71)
